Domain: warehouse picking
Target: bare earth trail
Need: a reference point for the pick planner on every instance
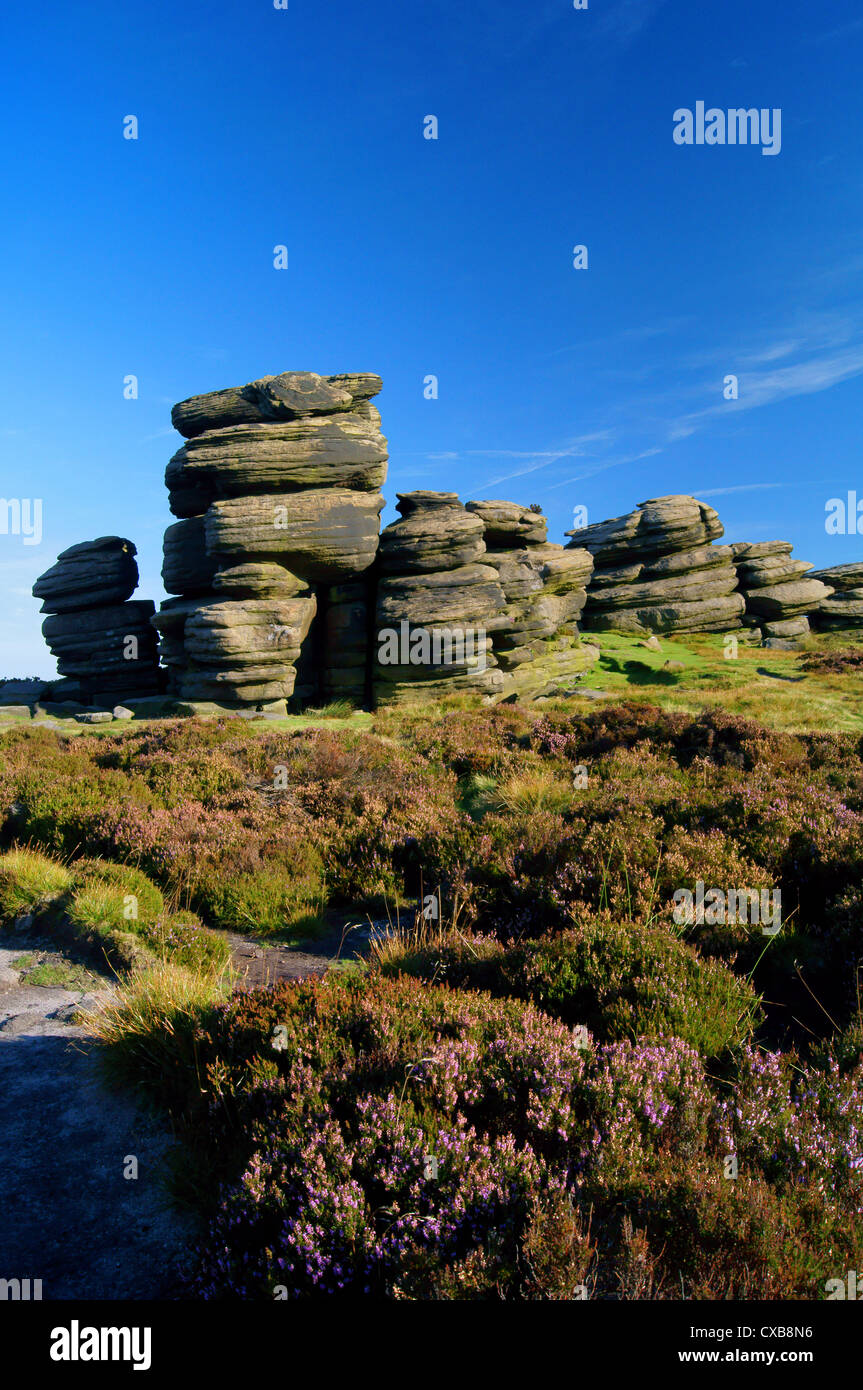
(68, 1216)
(263, 962)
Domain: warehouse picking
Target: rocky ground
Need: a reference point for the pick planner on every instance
(70, 1216)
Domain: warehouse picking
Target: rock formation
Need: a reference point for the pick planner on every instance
(277, 488)
(436, 599)
(103, 642)
(844, 607)
(778, 596)
(281, 585)
(656, 570)
(545, 590)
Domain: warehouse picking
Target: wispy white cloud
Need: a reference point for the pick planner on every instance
(744, 487)
(544, 458)
(159, 434)
(767, 388)
(842, 31)
(628, 335)
(772, 353)
(602, 467)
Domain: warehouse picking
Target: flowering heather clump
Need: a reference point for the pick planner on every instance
(802, 1127)
(415, 1141)
(379, 1079)
(602, 974)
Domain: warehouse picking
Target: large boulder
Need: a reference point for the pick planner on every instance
(108, 650)
(244, 651)
(656, 527)
(435, 532)
(186, 566)
(775, 589)
(844, 606)
(656, 570)
(507, 525)
(89, 575)
(287, 396)
(346, 451)
(436, 603)
(320, 534)
(842, 579)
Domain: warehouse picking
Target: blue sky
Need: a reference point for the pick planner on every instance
(410, 257)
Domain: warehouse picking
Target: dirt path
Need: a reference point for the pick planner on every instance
(263, 962)
(70, 1217)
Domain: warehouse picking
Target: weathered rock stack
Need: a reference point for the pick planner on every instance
(104, 644)
(278, 491)
(778, 597)
(436, 600)
(844, 607)
(656, 570)
(545, 589)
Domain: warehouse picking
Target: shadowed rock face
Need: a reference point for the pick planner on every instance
(186, 567)
(111, 651)
(844, 607)
(322, 534)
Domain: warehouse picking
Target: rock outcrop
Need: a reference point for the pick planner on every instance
(545, 590)
(657, 570)
(277, 487)
(102, 640)
(282, 586)
(844, 607)
(435, 601)
(779, 592)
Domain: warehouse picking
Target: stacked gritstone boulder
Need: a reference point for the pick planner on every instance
(104, 644)
(779, 592)
(844, 607)
(437, 598)
(657, 570)
(535, 640)
(278, 493)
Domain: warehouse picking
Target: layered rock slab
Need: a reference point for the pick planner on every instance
(110, 651)
(844, 607)
(277, 487)
(286, 396)
(321, 534)
(779, 592)
(435, 602)
(345, 451)
(90, 575)
(657, 570)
